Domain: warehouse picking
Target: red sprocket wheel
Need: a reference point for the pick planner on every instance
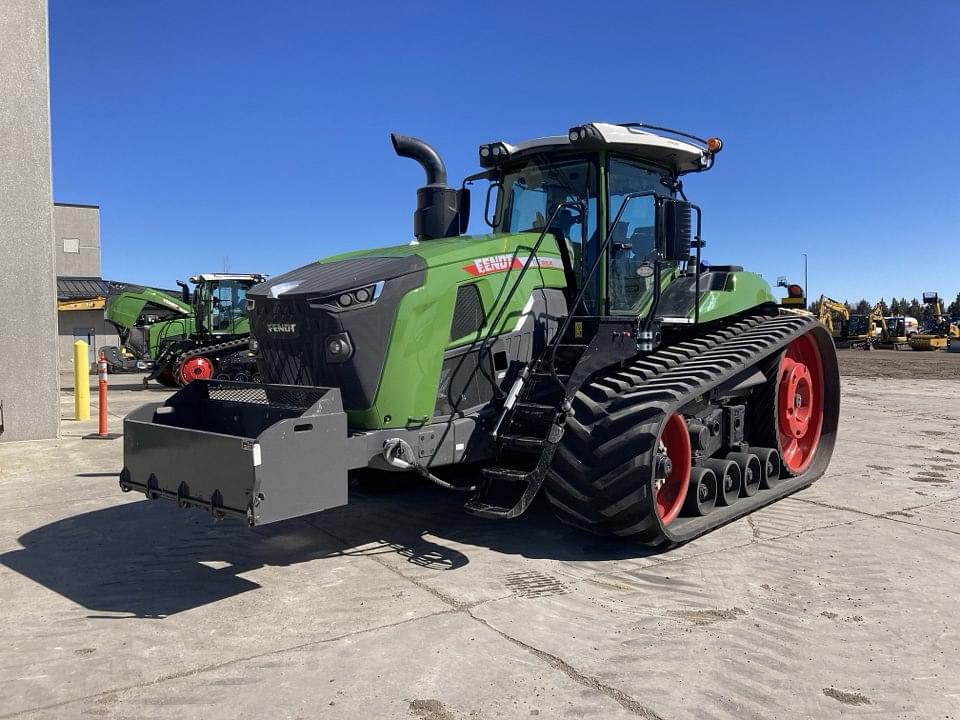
(672, 490)
(800, 403)
(196, 368)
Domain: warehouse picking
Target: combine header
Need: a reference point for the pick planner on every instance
(580, 349)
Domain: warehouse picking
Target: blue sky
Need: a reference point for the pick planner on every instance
(227, 135)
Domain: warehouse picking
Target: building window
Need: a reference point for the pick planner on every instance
(71, 245)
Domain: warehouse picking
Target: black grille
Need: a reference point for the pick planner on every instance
(292, 337)
(468, 313)
(273, 395)
(295, 356)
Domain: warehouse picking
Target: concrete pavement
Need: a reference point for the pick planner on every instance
(837, 602)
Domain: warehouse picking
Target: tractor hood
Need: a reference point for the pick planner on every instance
(331, 323)
(474, 254)
(319, 280)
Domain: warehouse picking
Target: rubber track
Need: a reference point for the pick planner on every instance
(601, 480)
(176, 360)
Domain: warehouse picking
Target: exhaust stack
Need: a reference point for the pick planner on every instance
(441, 210)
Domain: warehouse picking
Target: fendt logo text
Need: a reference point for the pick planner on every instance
(503, 263)
(282, 327)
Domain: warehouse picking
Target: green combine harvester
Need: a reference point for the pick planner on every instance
(198, 336)
(581, 348)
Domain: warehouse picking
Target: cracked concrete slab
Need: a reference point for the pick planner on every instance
(759, 631)
(446, 666)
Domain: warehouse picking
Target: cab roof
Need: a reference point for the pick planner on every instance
(689, 154)
(208, 277)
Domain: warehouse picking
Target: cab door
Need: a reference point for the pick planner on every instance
(228, 301)
(633, 243)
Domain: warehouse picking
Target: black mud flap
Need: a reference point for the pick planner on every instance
(262, 453)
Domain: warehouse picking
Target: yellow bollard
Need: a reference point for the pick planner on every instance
(81, 381)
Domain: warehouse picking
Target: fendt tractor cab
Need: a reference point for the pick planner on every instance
(580, 347)
(213, 341)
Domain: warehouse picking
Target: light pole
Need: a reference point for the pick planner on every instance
(804, 275)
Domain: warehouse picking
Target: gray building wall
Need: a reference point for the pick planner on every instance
(79, 324)
(76, 239)
(77, 228)
(28, 316)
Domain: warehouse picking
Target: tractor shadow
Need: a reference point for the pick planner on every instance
(150, 560)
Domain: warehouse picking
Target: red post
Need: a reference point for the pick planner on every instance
(102, 372)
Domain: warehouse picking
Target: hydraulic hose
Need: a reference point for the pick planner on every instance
(398, 453)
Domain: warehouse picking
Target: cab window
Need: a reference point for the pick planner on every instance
(633, 243)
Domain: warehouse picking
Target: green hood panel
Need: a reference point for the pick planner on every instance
(741, 292)
(421, 333)
(124, 309)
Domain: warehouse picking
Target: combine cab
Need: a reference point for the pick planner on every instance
(581, 350)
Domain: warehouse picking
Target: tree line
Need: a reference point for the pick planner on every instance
(899, 306)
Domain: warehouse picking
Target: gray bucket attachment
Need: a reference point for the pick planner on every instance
(262, 453)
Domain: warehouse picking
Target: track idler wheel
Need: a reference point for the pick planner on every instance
(702, 492)
(728, 479)
(750, 472)
(769, 467)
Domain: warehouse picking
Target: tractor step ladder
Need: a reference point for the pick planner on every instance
(527, 438)
(534, 412)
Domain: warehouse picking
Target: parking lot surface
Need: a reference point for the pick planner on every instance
(838, 602)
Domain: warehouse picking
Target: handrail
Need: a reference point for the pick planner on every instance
(585, 282)
(570, 204)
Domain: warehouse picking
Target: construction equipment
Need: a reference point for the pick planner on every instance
(582, 348)
(892, 332)
(828, 308)
(796, 298)
(201, 335)
(939, 335)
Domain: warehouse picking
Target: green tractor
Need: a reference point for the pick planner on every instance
(581, 348)
(199, 336)
(145, 318)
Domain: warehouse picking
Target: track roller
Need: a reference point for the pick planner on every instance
(702, 492)
(750, 472)
(769, 467)
(728, 479)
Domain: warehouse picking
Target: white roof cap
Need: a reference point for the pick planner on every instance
(679, 155)
(207, 277)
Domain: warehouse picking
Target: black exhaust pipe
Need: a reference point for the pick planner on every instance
(441, 210)
(429, 159)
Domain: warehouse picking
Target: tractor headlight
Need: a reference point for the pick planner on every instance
(338, 348)
(254, 345)
(493, 154)
(584, 134)
(350, 299)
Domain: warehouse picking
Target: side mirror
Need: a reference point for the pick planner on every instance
(463, 209)
(497, 186)
(677, 231)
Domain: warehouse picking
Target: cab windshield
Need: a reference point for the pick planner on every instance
(531, 191)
